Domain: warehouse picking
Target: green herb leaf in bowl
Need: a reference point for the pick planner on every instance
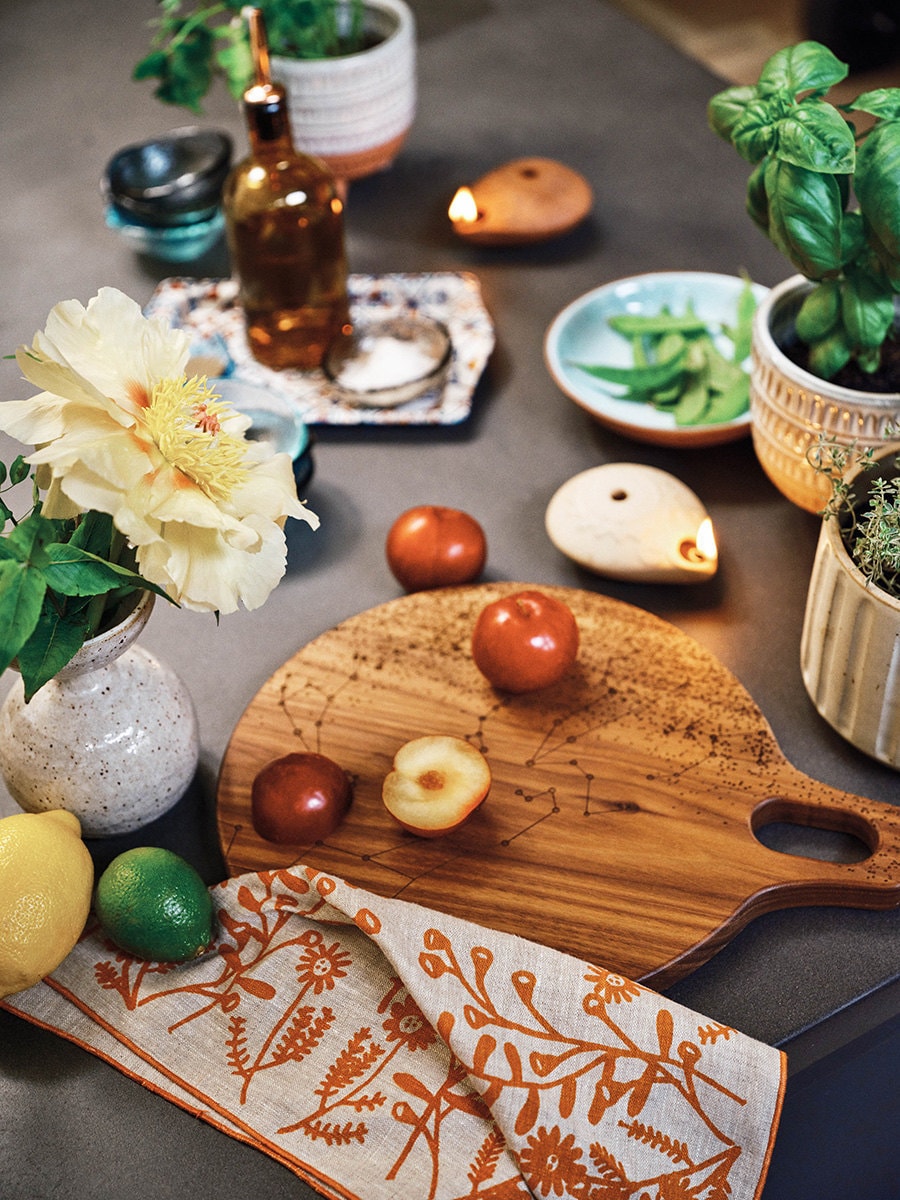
(677, 365)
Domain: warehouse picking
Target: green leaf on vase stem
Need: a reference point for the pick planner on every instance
(55, 641)
(22, 594)
(74, 572)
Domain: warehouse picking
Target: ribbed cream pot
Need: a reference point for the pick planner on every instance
(850, 648)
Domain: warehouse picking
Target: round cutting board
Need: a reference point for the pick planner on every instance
(620, 822)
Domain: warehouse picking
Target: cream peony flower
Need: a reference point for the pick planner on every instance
(119, 429)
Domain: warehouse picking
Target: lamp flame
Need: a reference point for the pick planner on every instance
(706, 540)
(463, 209)
(701, 549)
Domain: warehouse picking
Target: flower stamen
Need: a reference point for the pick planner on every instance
(184, 420)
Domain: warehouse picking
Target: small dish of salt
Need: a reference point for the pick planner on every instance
(386, 363)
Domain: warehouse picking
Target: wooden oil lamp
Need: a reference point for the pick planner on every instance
(526, 200)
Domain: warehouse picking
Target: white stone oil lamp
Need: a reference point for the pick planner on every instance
(633, 522)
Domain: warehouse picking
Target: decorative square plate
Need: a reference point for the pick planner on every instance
(209, 310)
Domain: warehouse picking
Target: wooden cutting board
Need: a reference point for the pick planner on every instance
(619, 826)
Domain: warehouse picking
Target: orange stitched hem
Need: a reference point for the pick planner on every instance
(776, 1118)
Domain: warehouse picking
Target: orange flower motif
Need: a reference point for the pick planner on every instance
(407, 1025)
(320, 966)
(550, 1162)
(613, 989)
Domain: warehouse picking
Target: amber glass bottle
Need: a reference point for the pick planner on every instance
(285, 228)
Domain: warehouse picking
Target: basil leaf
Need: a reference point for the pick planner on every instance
(807, 66)
(867, 308)
(828, 356)
(819, 313)
(875, 182)
(727, 107)
(817, 137)
(742, 334)
(755, 134)
(882, 102)
(853, 238)
(757, 200)
(805, 217)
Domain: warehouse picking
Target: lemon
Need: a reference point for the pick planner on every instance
(154, 905)
(46, 876)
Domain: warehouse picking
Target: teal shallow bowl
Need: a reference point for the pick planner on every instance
(580, 333)
(171, 243)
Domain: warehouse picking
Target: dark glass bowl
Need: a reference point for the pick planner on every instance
(170, 180)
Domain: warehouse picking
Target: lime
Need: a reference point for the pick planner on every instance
(46, 876)
(154, 905)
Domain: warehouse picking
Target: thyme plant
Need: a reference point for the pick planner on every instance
(870, 520)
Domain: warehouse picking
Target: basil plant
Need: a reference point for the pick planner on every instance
(826, 195)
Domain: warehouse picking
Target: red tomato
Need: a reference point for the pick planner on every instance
(525, 641)
(430, 546)
(299, 798)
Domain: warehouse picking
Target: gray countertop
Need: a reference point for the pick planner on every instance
(499, 79)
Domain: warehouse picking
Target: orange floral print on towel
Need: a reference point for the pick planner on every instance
(532, 1065)
(380, 1050)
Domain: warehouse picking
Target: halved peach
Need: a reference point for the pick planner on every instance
(437, 782)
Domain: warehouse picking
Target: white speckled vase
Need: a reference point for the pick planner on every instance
(355, 110)
(112, 737)
(850, 650)
(790, 408)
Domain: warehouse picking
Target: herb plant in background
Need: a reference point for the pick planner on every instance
(193, 42)
(865, 501)
(827, 195)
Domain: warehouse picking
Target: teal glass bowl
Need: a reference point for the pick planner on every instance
(171, 243)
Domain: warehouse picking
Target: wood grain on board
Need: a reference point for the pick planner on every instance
(620, 822)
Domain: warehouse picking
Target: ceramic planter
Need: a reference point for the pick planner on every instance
(790, 408)
(850, 649)
(355, 111)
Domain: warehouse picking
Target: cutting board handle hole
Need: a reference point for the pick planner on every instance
(813, 831)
